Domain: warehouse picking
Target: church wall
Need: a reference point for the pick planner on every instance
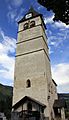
(48, 79)
(53, 96)
(51, 88)
(30, 33)
(33, 63)
(31, 45)
(29, 36)
(36, 31)
(29, 67)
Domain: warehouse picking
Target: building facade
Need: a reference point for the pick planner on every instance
(2, 116)
(34, 90)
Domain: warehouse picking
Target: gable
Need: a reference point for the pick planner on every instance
(27, 99)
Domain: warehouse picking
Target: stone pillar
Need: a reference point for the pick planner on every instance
(62, 113)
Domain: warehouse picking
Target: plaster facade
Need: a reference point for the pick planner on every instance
(33, 63)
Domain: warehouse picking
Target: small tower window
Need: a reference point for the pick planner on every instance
(32, 23)
(28, 83)
(25, 26)
(29, 106)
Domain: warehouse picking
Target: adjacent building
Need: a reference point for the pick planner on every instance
(2, 116)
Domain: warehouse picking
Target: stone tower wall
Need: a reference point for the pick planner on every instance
(33, 63)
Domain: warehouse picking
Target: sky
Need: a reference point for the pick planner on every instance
(11, 11)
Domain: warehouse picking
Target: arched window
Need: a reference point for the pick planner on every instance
(32, 23)
(28, 83)
(25, 26)
(29, 106)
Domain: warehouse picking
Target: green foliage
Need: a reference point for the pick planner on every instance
(59, 7)
(67, 109)
(6, 100)
(5, 90)
(67, 113)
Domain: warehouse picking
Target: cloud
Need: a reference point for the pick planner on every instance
(57, 38)
(17, 3)
(6, 69)
(7, 45)
(60, 74)
(49, 19)
(20, 15)
(39, 7)
(15, 14)
(7, 59)
(64, 88)
(50, 50)
(11, 15)
(53, 43)
(15, 10)
(60, 24)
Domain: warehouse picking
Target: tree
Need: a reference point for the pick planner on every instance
(59, 7)
(6, 106)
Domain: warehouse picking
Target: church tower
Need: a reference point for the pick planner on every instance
(32, 79)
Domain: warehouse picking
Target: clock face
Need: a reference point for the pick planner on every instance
(28, 15)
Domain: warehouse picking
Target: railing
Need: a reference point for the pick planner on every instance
(25, 115)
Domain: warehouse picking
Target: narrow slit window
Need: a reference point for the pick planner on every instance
(28, 83)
